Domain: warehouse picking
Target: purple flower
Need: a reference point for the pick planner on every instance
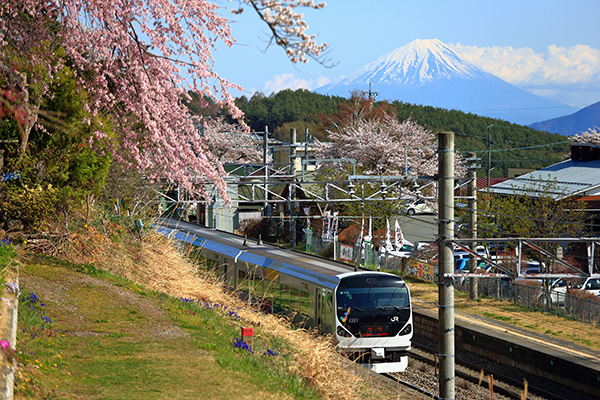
(240, 344)
(270, 353)
(4, 344)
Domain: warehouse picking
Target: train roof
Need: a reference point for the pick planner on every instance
(301, 265)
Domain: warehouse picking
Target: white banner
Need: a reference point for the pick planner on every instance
(398, 237)
(388, 238)
(360, 234)
(333, 232)
(325, 232)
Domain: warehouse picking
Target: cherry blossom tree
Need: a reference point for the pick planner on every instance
(380, 143)
(384, 146)
(136, 61)
(590, 136)
(231, 143)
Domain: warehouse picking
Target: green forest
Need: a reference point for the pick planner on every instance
(512, 145)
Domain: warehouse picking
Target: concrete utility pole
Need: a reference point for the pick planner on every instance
(372, 94)
(266, 162)
(292, 189)
(473, 223)
(489, 171)
(446, 265)
(306, 136)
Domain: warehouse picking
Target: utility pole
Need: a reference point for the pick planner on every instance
(372, 94)
(446, 265)
(266, 163)
(306, 136)
(292, 195)
(472, 221)
(489, 156)
(266, 221)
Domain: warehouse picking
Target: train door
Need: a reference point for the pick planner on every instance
(324, 310)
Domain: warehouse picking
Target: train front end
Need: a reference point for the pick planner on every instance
(374, 320)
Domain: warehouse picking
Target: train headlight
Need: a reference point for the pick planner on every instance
(406, 330)
(342, 332)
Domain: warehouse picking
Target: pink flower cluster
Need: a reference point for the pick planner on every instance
(137, 60)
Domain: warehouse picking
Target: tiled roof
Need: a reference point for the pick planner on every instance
(482, 183)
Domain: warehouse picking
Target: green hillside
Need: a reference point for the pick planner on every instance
(512, 145)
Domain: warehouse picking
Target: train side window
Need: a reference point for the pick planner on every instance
(304, 303)
(242, 281)
(284, 296)
(329, 301)
(253, 281)
(268, 289)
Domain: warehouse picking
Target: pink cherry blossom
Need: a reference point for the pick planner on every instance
(385, 146)
(136, 61)
(231, 143)
(590, 136)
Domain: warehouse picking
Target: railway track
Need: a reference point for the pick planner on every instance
(471, 381)
(422, 393)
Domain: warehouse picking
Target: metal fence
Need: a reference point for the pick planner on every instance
(367, 257)
(536, 297)
(525, 295)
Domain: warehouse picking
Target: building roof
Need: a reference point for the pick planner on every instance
(482, 183)
(559, 181)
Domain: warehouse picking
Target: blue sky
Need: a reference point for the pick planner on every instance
(550, 48)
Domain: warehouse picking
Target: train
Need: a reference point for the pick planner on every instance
(368, 313)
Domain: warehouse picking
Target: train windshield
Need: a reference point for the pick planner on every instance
(368, 292)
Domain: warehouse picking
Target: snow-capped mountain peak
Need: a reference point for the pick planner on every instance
(420, 61)
(430, 73)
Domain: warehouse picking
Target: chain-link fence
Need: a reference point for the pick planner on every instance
(534, 295)
(531, 295)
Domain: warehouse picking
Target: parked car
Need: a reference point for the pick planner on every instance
(461, 266)
(412, 207)
(558, 291)
(460, 253)
(529, 268)
(405, 251)
(591, 285)
(424, 244)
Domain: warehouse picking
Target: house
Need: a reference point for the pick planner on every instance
(578, 178)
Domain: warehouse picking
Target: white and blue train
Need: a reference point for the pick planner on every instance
(368, 313)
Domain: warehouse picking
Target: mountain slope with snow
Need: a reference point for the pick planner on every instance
(428, 72)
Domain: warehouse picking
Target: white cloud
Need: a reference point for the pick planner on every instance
(564, 67)
(290, 81)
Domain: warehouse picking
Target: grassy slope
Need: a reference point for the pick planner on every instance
(111, 339)
(123, 331)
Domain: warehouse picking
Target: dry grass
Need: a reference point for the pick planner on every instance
(159, 264)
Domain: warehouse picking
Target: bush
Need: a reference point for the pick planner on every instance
(31, 205)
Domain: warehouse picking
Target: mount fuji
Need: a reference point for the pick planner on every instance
(428, 72)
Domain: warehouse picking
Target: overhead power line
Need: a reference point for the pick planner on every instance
(521, 148)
